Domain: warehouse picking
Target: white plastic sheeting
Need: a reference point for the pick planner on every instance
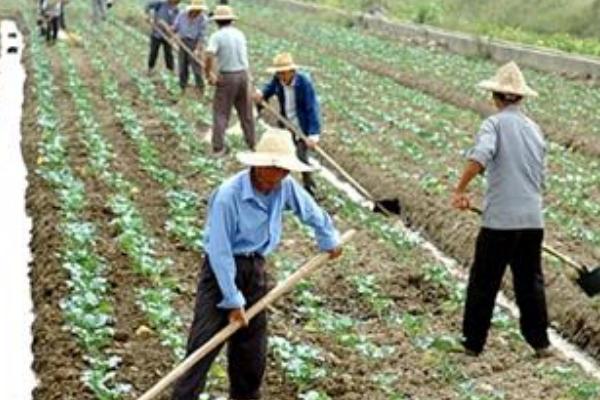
(16, 317)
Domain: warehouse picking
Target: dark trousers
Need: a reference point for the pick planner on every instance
(186, 62)
(232, 90)
(246, 349)
(52, 28)
(302, 152)
(155, 44)
(495, 249)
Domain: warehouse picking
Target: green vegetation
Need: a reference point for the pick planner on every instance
(567, 25)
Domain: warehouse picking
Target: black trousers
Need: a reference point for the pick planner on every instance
(302, 152)
(247, 348)
(495, 249)
(155, 44)
(52, 28)
(186, 62)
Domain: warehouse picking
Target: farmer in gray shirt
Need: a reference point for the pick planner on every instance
(228, 53)
(510, 149)
(190, 26)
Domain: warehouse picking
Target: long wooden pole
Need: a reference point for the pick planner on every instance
(319, 150)
(277, 292)
(180, 42)
(174, 40)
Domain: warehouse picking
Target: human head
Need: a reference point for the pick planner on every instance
(284, 68)
(266, 179)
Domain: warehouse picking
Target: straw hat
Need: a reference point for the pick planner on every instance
(283, 62)
(275, 149)
(508, 79)
(224, 13)
(196, 5)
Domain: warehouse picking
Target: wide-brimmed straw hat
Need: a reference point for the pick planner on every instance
(224, 13)
(275, 149)
(196, 5)
(283, 62)
(508, 79)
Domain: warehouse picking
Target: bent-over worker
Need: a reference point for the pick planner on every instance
(244, 225)
(298, 103)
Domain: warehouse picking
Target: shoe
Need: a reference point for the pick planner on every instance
(221, 153)
(545, 352)
(150, 73)
(470, 352)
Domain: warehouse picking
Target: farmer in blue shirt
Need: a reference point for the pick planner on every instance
(191, 27)
(162, 11)
(244, 225)
(510, 150)
(298, 103)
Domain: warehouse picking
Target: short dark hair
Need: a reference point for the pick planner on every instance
(223, 23)
(507, 98)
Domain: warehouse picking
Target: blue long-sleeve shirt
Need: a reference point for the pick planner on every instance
(162, 11)
(191, 28)
(307, 104)
(242, 221)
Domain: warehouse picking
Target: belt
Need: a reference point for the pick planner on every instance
(251, 255)
(232, 72)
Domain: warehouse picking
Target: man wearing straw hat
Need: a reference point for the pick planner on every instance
(510, 149)
(227, 49)
(166, 11)
(244, 225)
(191, 26)
(298, 103)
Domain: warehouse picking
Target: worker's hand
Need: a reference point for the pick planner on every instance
(461, 200)
(257, 96)
(238, 315)
(213, 79)
(311, 143)
(335, 253)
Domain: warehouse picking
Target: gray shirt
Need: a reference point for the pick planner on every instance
(190, 28)
(512, 150)
(228, 44)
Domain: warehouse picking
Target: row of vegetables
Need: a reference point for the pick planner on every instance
(302, 361)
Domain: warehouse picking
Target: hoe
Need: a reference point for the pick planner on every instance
(588, 279)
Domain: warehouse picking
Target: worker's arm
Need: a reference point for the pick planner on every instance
(478, 158)
(221, 226)
(313, 110)
(211, 53)
(460, 199)
(308, 211)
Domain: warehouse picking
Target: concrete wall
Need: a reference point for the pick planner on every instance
(499, 51)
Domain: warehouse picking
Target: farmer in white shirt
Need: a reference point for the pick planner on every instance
(228, 53)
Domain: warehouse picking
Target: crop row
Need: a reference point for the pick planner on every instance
(88, 309)
(571, 111)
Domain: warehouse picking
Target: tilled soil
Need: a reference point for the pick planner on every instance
(350, 375)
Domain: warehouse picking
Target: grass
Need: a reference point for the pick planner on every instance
(567, 25)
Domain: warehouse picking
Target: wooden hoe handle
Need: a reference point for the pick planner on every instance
(277, 292)
(319, 150)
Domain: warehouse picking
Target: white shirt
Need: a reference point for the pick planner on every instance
(228, 44)
(289, 94)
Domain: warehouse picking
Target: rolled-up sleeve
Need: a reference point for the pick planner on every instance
(485, 144)
(213, 44)
(307, 210)
(221, 224)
